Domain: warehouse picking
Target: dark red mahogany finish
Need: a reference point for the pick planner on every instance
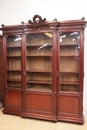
(26, 94)
(1, 69)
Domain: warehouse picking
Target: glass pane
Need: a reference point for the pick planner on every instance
(69, 61)
(14, 61)
(70, 64)
(39, 62)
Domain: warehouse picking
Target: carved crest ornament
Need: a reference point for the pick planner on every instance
(38, 22)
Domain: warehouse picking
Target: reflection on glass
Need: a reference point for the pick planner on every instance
(14, 61)
(39, 62)
(70, 38)
(69, 61)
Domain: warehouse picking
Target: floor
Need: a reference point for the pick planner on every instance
(13, 122)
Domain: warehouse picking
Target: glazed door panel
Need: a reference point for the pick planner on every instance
(69, 100)
(13, 56)
(13, 72)
(69, 65)
(39, 96)
(39, 62)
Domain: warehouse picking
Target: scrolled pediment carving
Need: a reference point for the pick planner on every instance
(38, 22)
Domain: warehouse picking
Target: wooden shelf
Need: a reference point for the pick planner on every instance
(69, 45)
(39, 55)
(68, 72)
(14, 80)
(71, 83)
(40, 89)
(13, 47)
(32, 45)
(14, 70)
(39, 82)
(14, 86)
(69, 55)
(40, 71)
(13, 56)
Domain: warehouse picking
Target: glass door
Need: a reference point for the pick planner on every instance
(69, 61)
(13, 61)
(39, 62)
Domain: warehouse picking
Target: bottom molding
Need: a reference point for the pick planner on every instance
(53, 118)
(79, 120)
(38, 116)
(12, 111)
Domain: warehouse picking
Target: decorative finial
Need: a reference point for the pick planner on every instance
(83, 18)
(55, 19)
(2, 25)
(22, 22)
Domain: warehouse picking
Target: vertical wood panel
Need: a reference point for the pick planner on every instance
(1, 69)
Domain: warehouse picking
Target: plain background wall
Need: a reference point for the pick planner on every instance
(15, 11)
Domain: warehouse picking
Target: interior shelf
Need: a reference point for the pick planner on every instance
(69, 45)
(38, 55)
(14, 86)
(40, 71)
(69, 72)
(72, 83)
(13, 47)
(69, 55)
(14, 70)
(13, 56)
(33, 45)
(39, 82)
(40, 89)
(14, 80)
